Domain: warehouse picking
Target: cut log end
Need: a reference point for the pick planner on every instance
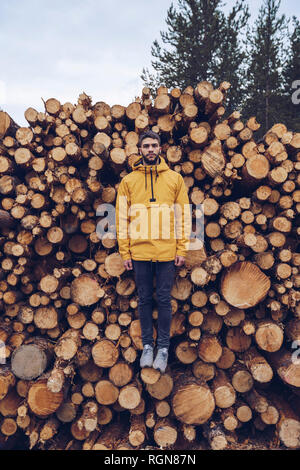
(42, 401)
(193, 404)
(28, 362)
(289, 433)
(236, 281)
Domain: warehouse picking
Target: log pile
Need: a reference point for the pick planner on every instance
(69, 328)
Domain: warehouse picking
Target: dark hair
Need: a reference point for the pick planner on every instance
(150, 134)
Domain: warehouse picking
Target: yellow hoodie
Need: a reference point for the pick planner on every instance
(153, 217)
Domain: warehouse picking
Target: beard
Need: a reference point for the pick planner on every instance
(150, 161)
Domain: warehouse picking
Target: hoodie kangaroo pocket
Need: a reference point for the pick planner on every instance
(161, 221)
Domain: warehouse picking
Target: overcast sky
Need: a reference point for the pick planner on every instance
(61, 48)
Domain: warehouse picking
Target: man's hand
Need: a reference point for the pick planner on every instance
(179, 260)
(128, 264)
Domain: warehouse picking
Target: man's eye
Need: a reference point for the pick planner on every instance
(146, 146)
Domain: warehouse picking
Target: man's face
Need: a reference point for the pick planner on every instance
(150, 149)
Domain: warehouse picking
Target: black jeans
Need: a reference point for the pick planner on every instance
(165, 273)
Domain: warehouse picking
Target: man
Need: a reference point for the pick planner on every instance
(150, 189)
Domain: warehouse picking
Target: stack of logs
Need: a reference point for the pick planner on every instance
(69, 328)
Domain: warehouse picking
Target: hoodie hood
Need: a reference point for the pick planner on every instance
(152, 169)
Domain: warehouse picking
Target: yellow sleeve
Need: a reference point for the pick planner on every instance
(122, 220)
(183, 218)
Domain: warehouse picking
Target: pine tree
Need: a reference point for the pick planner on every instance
(229, 61)
(202, 43)
(265, 66)
(291, 75)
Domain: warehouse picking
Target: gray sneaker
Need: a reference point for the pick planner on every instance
(147, 356)
(161, 360)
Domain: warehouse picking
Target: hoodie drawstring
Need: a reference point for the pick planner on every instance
(153, 198)
(156, 173)
(156, 176)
